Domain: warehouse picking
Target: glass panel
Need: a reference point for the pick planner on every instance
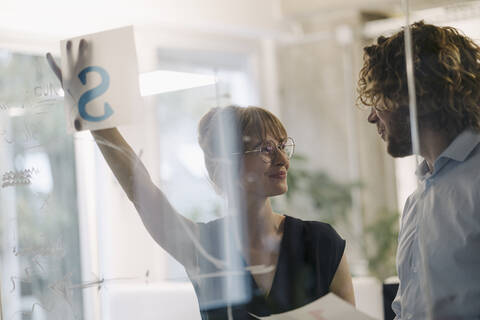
(39, 224)
(205, 207)
(448, 136)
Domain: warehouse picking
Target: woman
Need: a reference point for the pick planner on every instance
(286, 262)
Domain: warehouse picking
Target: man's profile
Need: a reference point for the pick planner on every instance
(438, 257)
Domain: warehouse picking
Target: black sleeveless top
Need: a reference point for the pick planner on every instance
(310, 252)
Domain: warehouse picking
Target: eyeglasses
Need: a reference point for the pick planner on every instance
(268, 149)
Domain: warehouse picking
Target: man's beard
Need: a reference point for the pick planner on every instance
(399, 148)
(399, 138)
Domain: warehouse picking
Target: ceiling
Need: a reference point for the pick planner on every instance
(70, 17)
(250, 18)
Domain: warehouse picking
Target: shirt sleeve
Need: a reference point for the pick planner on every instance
(338, 248)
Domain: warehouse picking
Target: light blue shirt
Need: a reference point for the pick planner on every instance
(438, 257)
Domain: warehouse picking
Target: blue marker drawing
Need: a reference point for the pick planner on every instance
(94, 93)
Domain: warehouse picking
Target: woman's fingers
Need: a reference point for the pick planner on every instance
(82, 49)
(82, 46)
(82, 53)
(53, 65)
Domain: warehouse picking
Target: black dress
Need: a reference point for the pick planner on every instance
(310, 252)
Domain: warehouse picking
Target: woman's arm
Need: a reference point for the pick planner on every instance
(169, 229)
(166, 226)
(342, 282)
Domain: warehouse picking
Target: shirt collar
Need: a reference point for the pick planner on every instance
(423, 171)
(458, 150)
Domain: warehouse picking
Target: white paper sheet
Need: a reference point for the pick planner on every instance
(329, 307)
(101, 86)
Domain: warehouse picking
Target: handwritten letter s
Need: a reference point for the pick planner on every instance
(94, 93)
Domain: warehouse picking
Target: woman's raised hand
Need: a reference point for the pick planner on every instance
(72, 65)
(74, 62)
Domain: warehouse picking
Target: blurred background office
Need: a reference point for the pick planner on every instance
(72, 245)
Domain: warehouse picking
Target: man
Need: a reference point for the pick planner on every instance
(438, 257)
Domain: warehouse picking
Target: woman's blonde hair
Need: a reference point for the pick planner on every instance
(227, 131)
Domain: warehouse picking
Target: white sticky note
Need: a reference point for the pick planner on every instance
(329, 307)
(101, 82)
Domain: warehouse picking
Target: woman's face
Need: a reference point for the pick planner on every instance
(264, 175)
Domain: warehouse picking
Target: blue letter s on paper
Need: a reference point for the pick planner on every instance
(94, 93)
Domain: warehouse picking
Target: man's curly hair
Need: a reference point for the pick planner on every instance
(447, 76)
